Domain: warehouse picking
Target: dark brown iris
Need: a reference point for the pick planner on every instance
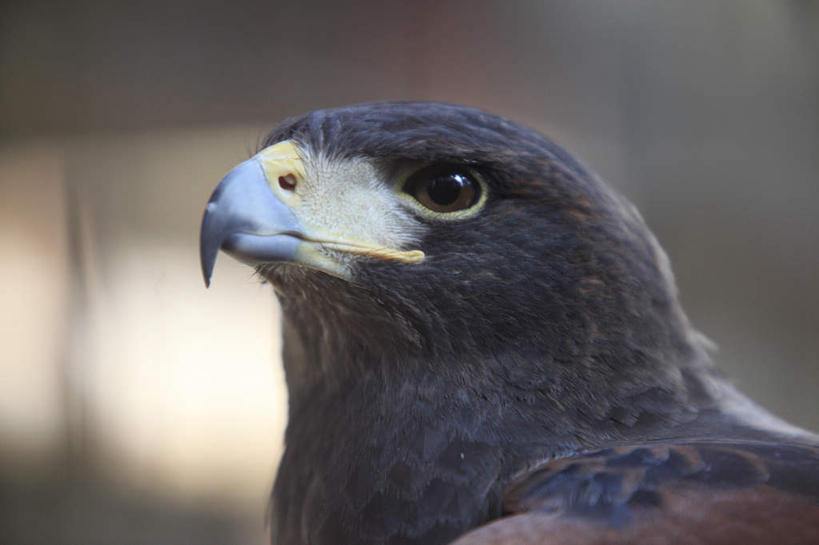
(444, 188)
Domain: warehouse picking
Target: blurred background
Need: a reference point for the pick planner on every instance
(137, 407)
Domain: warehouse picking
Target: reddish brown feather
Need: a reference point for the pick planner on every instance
(698, 493)
(691, 516)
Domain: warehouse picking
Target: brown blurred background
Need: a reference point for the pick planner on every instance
(137, 407)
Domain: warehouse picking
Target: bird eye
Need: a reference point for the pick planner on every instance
(445, 188)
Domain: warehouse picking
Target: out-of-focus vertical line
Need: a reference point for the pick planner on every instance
(77, 447)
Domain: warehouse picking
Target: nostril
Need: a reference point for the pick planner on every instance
(287, 182)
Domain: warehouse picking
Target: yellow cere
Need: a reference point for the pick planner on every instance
(281, 159)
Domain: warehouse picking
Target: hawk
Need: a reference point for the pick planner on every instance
(483, 344)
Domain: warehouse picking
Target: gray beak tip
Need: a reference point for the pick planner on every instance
(209, 244)
(207, 268)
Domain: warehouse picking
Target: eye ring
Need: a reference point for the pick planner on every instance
(445, 189)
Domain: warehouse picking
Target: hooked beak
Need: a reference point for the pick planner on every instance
(247, 219)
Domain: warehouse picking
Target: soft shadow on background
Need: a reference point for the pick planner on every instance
(137, 407)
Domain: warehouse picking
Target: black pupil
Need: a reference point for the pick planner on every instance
(444, 190)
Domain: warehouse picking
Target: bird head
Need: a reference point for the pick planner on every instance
(428, 232)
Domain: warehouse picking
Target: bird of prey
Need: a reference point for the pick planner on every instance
(483, 344)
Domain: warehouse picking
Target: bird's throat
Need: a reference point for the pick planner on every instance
(378, 463)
